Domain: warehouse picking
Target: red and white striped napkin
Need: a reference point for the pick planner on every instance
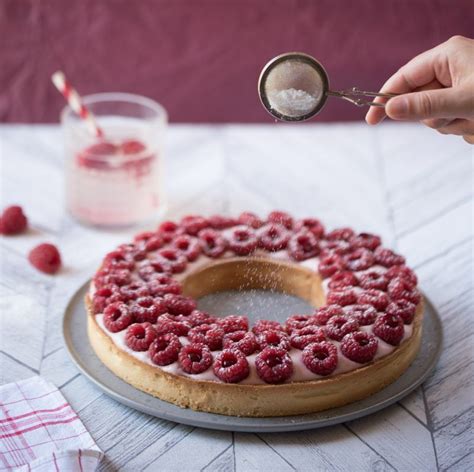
(39, 431)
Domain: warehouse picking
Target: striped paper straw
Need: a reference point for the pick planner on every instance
(75, 102)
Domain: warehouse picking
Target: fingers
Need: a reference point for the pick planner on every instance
(469, 139)
(458, 127)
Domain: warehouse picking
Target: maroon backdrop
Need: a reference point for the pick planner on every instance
(201, 58)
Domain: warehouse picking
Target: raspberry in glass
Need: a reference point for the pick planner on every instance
(300, 338)
(387, 257)
(175, 260)
(139, 336)
(320, 358)
(281, 218)
(310, 224)
(13, 221)
(179, 304)
(212, 243)
(402, 308)
(222, 222)
(389, 328)
(345, 234)
(330, 264)
(250, 219)
(376, 298)
(323, 314)
(366, 240)
(303, 245)
(359, 259)
(273, 237)
(364, 314)
(274, 365)
(403, 289)
(46, 258)
(162, 285)
(195, 358)
(273, 338)
(243, 240)
(342, 280)
(231, 366)
(164, 350)
(342, 297)
(338, 326)
(188, 246)
(244, 341)
(192, 224)
(265, 325)
(210, 335)
(117, 317)
(147, 309)
(359, 347)
(233, 323)
(373, 279)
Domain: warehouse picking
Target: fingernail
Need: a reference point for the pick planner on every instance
(397, 107)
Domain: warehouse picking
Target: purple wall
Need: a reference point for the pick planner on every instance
(201, 58)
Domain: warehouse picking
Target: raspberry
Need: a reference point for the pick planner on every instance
(164, 350)
(338, 326)
(166, 324)
(195, 358)
(118, 260)
(133, 291)
(139, 336)
(250, 219)
(13, 220)
(342, 280)
(192, 224)
(399, 289)
(212, 243)
(310, 224)
(363, 314)
(144, 236)
(346, 234)
(343, 297)
(373, 279)
(222, 222)
(273, 338)
(147, 309)
(320, 358)
(359, 259)
(179, 304)
(233, 323)
(168, 230)
(112, 277)
(273, 237)
(296, 322)
(210, 335)
(132, 146)
(241, 340)
(188, 246)
(274, 365)
(154, 243)
(387, 258)
(117, 317)
(402, 272)
(176, 261)
(281, 218)
(149, 270)
(366, 240)
(339, 247)
(231, 366)
(323, 314)
(265, 325)
(402, 308)
(376, 298)
(359, 347)
(45, 258)
(300, 338)
(102, 296)
(197, 318)
(132, 251)
(389, 328)
(162, 285)
(330, 264)
(243, 240)
(303, 245)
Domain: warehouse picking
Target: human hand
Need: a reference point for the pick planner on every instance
(437, 88)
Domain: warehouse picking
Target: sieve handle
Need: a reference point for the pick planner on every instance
(352, 94)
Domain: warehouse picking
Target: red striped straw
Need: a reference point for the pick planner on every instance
(75, 102)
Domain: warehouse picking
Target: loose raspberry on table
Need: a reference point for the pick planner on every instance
(198, 317)
(273, 338)
(222, 222)
(282, 218)
(265, 325)
(366, 240)
(118, 260)
(373, 279)
(195, 358)
(192, 224)
(274, 365)
(133, 291)
(46, 258)
(342, 297)
(364, 314)
(359, 347)
(311, 224)
(387, 257)
(231, 366)
(242, 340)
(295, 322)
(188, 246)
(346, 234)
(338, 326)
(250, 219)
(303, 245)
(342, 280)
(168, 230)
(273, 237)
(176, 261)
(233, 323)
(243, 240)
(330, 264)
(389, 328)
(376, 298)
(403, 289)
(112, 277)
(179, 304)
(167, 324)
(359, 259)
(147, 309)
(402, 272)
(339, 247)
(300, 338)
(164, 350)
(210, 335)
(403, 308)
(117, 317)
(139, 336)
(161, 285)
(13, 221)
(320, 358)
(212, 243)
(325, 313)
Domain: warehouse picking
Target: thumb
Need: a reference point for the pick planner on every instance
(439, 103)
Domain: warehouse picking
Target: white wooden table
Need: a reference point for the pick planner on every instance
(405, 182)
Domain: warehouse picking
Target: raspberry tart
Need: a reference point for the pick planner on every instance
(364, 332)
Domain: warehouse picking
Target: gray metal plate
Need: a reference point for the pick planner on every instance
(77, 343)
